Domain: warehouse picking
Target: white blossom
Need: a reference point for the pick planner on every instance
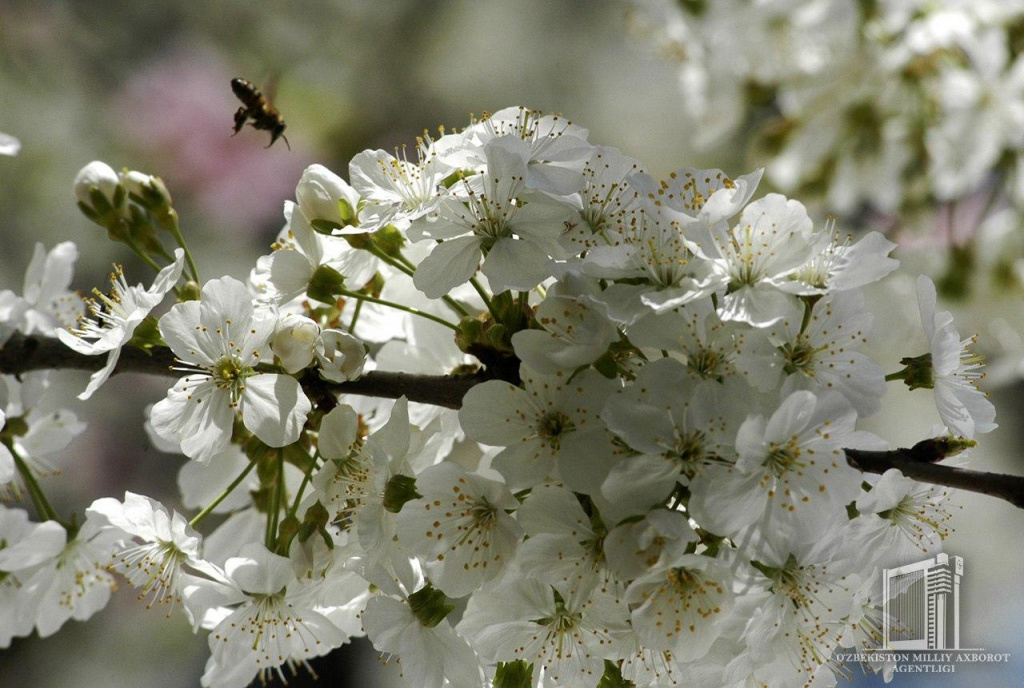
(549, 428)
(493, 215)
(460, 527)
(47, 304)
(791, 470)
(156, 545)
(74, 582)
(432, 656)
(394, 189)
(26, 545)
(294, 342)
(963, 408)
(573, 334)
(9, 145)
(220, 340)
(270, 625)
(681, 605)
(566, 636)
(116, 316)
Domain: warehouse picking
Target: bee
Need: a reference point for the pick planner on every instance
(257, 107)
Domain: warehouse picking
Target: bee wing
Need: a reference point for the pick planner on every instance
(270, 86)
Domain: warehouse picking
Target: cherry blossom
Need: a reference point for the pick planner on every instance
(220, 340)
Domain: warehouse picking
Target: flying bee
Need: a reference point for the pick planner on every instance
(257, 107)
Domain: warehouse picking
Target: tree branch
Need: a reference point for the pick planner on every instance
(23, 353)
(917, 463)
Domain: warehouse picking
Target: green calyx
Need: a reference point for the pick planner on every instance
(429, 606)
(517, 674)
(153, 196)
(15, 426)
(146, 335)
(918, 373)
(399, 490)
(347, 213)
(325, 284)
(612, 677)
(102, 210)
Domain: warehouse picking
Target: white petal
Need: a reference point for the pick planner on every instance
(274, 408)
(519, 265)
(450, 264)
(497, 413)
(180, 328)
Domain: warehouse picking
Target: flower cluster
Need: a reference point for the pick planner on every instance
(647, 484)
(908, 116)
(888, 104)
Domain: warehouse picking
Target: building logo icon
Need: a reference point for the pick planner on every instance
(921, 605)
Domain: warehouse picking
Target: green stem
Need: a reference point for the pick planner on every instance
(355, 317)
(138, 250)
(409, 268)
(486, 297)
(455, 306)
(389, 260)
(274, 517)
(524, 300)
(302, 487)
(222, 496)
(169, 220)
(340, 291)
(408, 263)
(808, 307)
(39, 500)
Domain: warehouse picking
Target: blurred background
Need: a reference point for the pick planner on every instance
(146, 86)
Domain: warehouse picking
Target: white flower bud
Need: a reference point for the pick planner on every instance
(146, 189)
(324, 196)
(293, 342)
(98, 175)
(136, 182)
(341, 356)
(99, 192)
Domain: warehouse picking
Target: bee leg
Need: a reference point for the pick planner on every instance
(241, 114)
(275, 133)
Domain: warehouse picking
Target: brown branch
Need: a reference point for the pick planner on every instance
(23, 353)
(918, 464)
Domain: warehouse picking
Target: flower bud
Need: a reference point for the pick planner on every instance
(99, 192)
(190, 291)
(293, 342)
(147, 190)
(341, 356)
(326, 200)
